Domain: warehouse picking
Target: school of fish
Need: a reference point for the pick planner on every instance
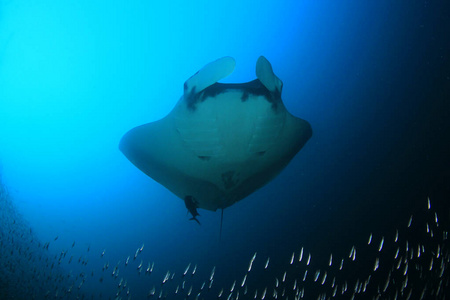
(409, 263)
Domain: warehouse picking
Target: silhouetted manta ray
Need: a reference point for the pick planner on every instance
(222, 141)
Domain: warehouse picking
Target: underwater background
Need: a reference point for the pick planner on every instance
(77, 219)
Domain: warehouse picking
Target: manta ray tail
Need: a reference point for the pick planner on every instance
(221, 222)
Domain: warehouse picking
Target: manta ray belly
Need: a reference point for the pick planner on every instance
(233, 144)
(222, 141)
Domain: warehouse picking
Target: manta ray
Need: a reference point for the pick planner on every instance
(222, 141)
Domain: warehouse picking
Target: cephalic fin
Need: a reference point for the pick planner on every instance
(209, 74)
(264, 73)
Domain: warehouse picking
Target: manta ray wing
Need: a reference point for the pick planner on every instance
(221, 142)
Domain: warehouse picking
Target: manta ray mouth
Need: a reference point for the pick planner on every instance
(251, 88)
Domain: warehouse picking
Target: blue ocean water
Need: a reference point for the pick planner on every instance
(372, 79)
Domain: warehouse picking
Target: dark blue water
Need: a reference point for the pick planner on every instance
(372, 79)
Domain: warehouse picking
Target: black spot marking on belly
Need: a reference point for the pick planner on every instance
(204, 157)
